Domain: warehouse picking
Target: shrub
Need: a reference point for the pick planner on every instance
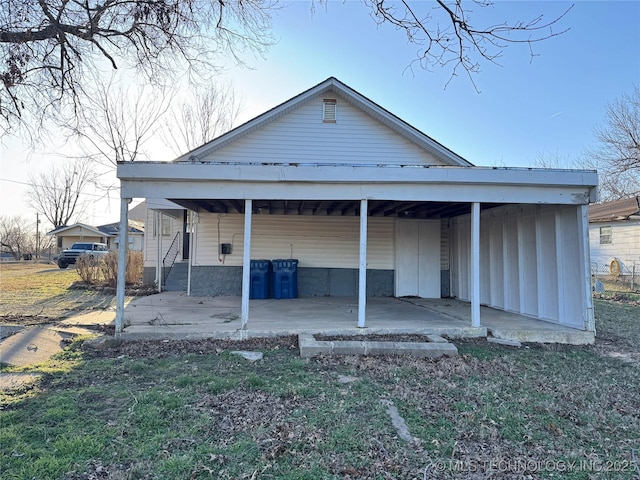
(88, 270)
(105, 270)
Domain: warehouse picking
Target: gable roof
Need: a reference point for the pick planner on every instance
(618, 210)
(335, 86)
(112, 229)
(64, 228)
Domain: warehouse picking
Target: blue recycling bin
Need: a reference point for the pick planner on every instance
(285, 278)
(259, 275)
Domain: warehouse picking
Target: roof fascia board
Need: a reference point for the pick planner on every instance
(435, 192)
(200, 172)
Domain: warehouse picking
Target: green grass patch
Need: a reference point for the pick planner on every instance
(216, 415)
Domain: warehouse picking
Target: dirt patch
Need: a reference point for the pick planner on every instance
(169, 348)
(130, 290)
(25, 320)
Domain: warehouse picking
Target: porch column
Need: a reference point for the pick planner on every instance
(159, 273)
(246, 262)
(362, 285)
(190, 233)
(475, 264)
(583, 222)
(122, 262)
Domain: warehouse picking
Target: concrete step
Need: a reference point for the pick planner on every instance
(177, 278)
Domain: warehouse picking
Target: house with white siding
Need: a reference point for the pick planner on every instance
(614, 236)
(369, 206)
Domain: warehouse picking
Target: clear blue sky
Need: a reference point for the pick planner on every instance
(525, 108)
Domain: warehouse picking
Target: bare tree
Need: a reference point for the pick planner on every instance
(207, 114)
(49, 46)
(57, 193)
(115, 123)
(447, 35)
(616, 154)
(15, 237)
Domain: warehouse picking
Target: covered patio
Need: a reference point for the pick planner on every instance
(174, 315)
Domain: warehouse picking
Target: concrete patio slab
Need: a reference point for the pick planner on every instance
(174, 315)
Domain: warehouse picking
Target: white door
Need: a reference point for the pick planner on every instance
(417, 258)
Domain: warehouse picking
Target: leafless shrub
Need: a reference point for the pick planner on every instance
(88, 269)
(105, 271)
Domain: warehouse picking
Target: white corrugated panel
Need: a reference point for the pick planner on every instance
(444, 244)
(322, 241)
(302, 137)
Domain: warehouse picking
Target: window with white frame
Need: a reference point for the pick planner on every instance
(605, 235)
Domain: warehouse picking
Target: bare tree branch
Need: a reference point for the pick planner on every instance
(49, 46)
(447, 36)
(206, 114)
(616, 154)
(115, 123)
(57, 193)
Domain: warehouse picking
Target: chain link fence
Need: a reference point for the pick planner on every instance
(615, 276)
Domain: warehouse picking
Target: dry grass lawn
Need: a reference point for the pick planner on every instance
(36, 293)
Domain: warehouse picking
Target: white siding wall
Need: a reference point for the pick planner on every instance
(151, 241)
(323, 241)
(625, 244)
(302, 137)
(531, 261)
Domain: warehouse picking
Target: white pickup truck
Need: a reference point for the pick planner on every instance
(92, 250)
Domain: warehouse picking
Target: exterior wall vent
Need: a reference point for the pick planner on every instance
(329, 110)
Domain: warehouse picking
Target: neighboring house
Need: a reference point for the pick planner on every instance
(369, 206)
(108, 234)
(135, 237)
(67, 235)
(614, 236)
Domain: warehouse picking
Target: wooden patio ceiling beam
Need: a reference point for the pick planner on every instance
(341, 206)
(190, 204)
(321, 206)
(401, 206)
(237, 205)
(382, 207)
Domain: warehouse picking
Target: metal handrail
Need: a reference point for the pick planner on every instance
(171, 253)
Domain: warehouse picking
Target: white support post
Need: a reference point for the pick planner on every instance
(560, 265)
(246, 262)
(583, 222)
(522, 281)
(159, 272)
(475, 264)
(540, 259)
(122, 262)
(190, 233)
(362, 288)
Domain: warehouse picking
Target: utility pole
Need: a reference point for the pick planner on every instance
(37, 235)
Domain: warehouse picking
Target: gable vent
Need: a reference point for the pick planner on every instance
(329, 110)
